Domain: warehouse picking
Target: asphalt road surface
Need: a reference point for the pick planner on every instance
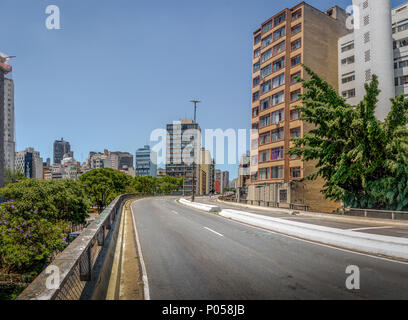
(190, 254)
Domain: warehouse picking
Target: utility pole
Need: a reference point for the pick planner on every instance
(195, 120)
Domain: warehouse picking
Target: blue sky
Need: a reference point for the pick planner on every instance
(119, 69)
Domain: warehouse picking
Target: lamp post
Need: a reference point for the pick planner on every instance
(195, 101)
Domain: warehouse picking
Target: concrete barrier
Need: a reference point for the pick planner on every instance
(363, 242)
(200, 206)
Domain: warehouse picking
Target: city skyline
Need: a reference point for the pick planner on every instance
(56, 95)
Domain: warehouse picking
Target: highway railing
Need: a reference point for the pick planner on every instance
(379, 214)
(82, 270)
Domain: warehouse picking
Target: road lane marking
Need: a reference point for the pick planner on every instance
(175, 212)
(214, 231)
(146, 290)
(370, 228)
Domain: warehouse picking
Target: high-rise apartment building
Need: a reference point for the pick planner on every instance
(206, 172)
(378, 45)
(9, 128)
(124, 160)
(61, 147)
(302, 34)
(4, 69)
(29, 163)
(182, 155)
(146, 162)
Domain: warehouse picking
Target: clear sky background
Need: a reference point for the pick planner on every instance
(119, 69)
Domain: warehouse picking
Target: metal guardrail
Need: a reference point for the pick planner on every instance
(379, 214)
(77, 264)
(274, 204)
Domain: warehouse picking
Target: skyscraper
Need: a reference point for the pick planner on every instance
(4, 69)
(29, 163)
(9, 128)
(302, 34)
(146, 162)
(61, 147)
(183, 149)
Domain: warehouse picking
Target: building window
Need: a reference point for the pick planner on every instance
(266, 71)
(257, 38)
(403, 64)
(347, 47)
(348, 60)
(366, 37)
(348, 79)
(265, 138)
(367, 56)
(266, 55)
(296, 60)
(296, 29)
(295, 133)
(278, 98)
(294, 96)
(277, 173)
(280, 47)
(293, 77)
(294, 115)
(255, 96)
(267, 26)
(277, 134)
(265, 120)
(264, 156)
(279, 33)
(296, 44)
(264, 174)
(349, 94)
(255, 112)
(257, 53)
(256, 66)
(279, 19)
(368, 75)
(255, 126)
(254, 144)
(265, 103)
(277, 116)
(400, 28)
(265, 87)
(279, 64)
(295, 172)
(297, 14)
(277, 154)
(278, 81)
(266, 41)
(255, 81)
(403, 80)
(396, 82)
(365, 4)
(366, 20)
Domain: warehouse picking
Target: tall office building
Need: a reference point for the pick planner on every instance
(9, 128)
(4, 69)
(302, 34)
(124, 159)
(378, 45)
(61, 147)
(146, 162)
(206, 172)
(182, 156)
(29, 163)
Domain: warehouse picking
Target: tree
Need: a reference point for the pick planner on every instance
(54, 200)
(362, 160)
(103, 185)
(168, 184)
(11, 176)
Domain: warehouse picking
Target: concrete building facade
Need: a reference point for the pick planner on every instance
(182, 153)
(29, 163)
(9, 127)
(302, 34)
(61, 147)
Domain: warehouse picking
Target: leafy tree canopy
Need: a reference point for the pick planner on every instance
(363, 160)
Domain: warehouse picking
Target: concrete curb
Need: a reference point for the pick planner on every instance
(326, 216)
(200, 206)
(357, 241)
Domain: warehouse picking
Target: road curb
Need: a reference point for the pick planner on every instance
(200, 206)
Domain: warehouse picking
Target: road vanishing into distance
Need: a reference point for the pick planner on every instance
(191, 254)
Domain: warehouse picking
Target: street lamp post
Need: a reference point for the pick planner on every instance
(195, 120)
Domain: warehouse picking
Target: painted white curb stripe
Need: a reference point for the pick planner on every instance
(200, 206)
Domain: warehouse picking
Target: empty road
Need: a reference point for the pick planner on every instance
(190, 254)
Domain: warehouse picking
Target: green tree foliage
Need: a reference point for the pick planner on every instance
(54, 200)
(363, 160)
(26, 243)
(103, 185)
(167, 184)
(11, 176)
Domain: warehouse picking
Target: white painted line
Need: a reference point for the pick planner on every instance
(370, 228)
(175, 212)
(214, 231)
(139, 249)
